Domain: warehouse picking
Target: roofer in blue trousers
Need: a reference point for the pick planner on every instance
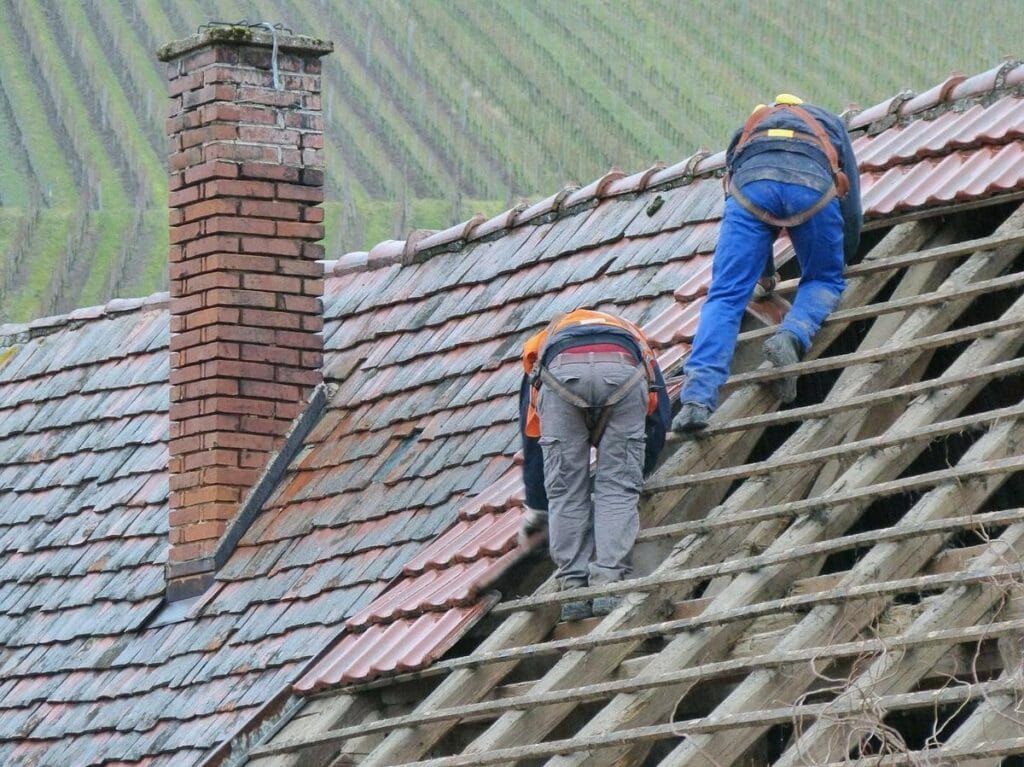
(791, 166)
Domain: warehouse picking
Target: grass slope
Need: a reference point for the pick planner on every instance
(435, 109)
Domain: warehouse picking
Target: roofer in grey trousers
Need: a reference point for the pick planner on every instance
(592, 543)
(590, 379)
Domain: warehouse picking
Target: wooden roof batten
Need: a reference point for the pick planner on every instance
(747, 589)
(717, 547)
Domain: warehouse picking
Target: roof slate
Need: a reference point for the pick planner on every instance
(418, 441)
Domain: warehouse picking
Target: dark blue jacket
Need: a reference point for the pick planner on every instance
(801, 162)
(656, 425)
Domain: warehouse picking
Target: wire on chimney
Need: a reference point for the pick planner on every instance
(273, 29)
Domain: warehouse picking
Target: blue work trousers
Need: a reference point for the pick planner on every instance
(743, 251)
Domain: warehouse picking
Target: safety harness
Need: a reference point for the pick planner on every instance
(815, 135)
(595, 416)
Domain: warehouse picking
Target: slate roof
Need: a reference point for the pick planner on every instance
(422, 340)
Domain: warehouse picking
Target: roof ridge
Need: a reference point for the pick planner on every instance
(954, 91)
(15, 333)
(904, 106)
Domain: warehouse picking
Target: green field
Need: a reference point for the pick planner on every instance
(434, 110)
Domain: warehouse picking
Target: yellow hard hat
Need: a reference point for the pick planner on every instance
(788, 98)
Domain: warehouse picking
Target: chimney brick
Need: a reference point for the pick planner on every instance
(246, 177)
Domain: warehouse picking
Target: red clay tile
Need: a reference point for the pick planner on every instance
(981, 83)
(696, 285)
(710, 163)
(405, 645)
(498, 223)
(662, 328)
(771, 311)
(882, 109)
(670, 357)
(382, 327)
(682, 170)
(545, 206)
(997, 123)
(440, 552)
(501, 495)
(349, 263)
(931, 97)
(594, 190)
(386, 253)
(455, 233)
(431, 590)
(498, 540)
(634, 183)
(959, 177)
(689, 321)
(782, 249)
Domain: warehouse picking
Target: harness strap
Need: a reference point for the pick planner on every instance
(603, 410)
(817, 133)
(763, 215)
(816, 136)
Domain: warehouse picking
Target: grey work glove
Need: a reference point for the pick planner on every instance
(534, 521)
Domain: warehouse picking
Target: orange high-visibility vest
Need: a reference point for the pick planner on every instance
(533, 352)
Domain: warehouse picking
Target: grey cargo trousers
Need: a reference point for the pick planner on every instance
(592, 543)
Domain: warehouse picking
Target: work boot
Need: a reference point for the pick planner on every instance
(781, 350)
(605, 605)
(691, 418)
(764, 287)
(575, 611)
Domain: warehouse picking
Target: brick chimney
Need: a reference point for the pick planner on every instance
(246, 177)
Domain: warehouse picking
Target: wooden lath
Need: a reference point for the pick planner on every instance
(845, 362)
(847, 450)
(997, 468)
(975, 752)
(648, 706)
(923, 257)
(962, 605)
(707, 545)
(707, 671)
(991, 731)
(1002, 468)
(965, 604)
(844, 621)
(985, 373)
(760, 718)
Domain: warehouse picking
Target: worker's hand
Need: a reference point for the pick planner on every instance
(534, 521)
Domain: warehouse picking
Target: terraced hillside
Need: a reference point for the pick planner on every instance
(435, 110)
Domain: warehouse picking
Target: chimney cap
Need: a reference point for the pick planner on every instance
(243, 34)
